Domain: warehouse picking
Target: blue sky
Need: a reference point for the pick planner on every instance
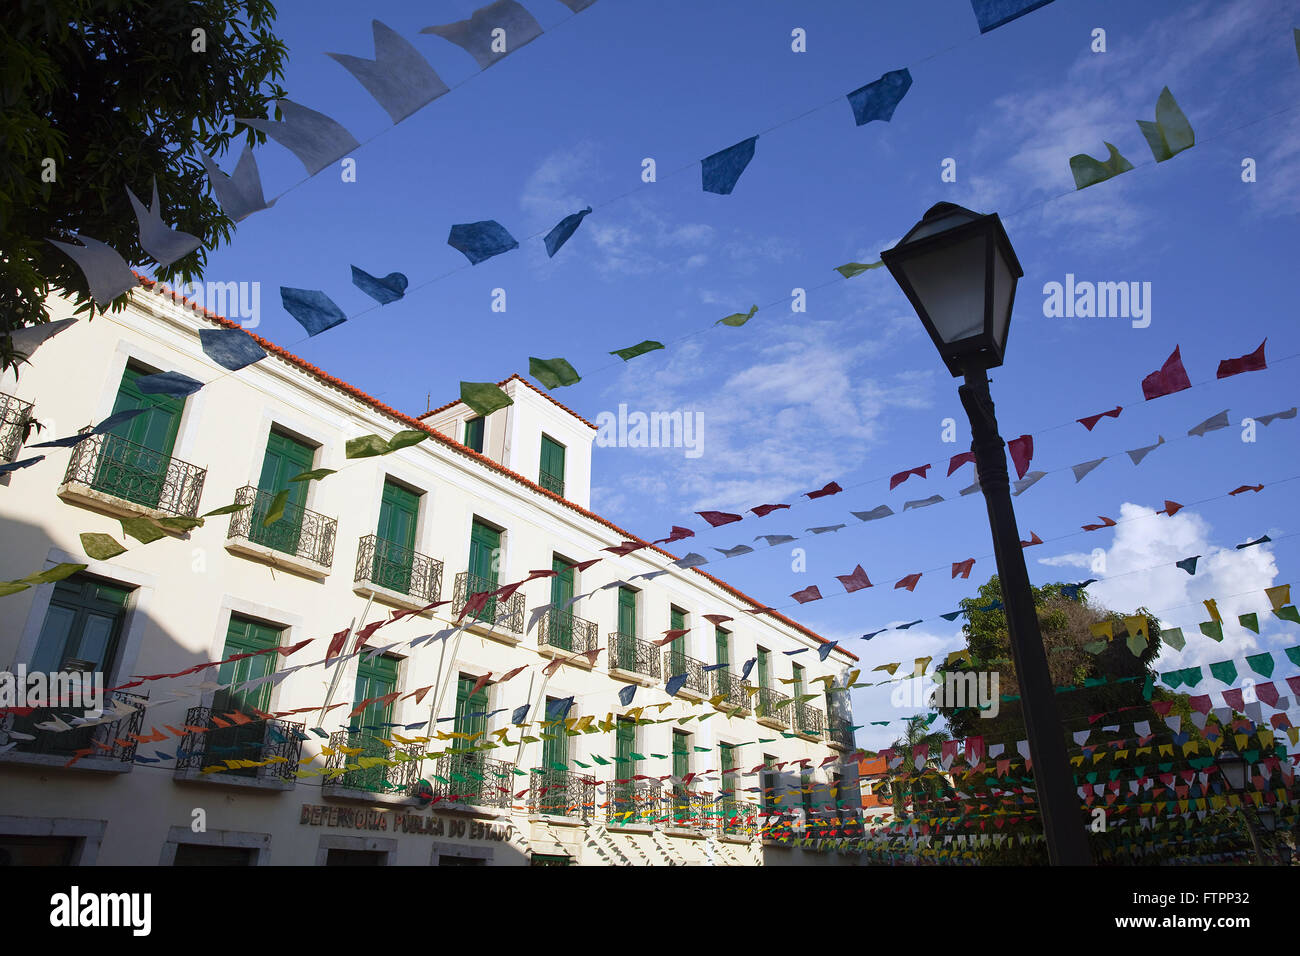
(851, 390)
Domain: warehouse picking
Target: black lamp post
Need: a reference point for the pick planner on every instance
(1234, 769)
(959, 271)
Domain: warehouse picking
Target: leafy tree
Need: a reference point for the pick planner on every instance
(105, 94)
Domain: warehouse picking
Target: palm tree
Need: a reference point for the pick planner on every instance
(905, 784)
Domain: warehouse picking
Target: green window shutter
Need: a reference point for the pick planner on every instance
(246, 636)
(560, 619)
(484, 544)
(681, 753)
(626, 746)
(627, 611)
(798, 680)
(806, 797)
(474, 434)
(83, 623)
(284, 458)
(677, 647)
(395, 538)
(763, 675)
(552, 466)
(555, 746)
(466, 705)
(721, 641)
(157, 428)
(135, 467)
(375, 678)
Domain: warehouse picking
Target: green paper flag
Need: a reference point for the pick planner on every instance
(1294, 654)
(484, 397)
(1213, 630)
(1172, 679)
(12, 587)
(1173, 637)
(553, 373)
(1261, 663)
(227, 510)
(406, 438)
(367, 446)
(1192, 676)
(1225, 671)
(1288, 613)
(1249, 621)
(316, 475)
(276, 511)
(101, 547)
(631, 352)
(851, 269)
(737, 319)
(1137, 643)
(142, 529)
(56, 573)
(180, 524)
(1088, 171)
(1095, 647)
(1170, 134)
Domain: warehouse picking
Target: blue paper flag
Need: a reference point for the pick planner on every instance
(117, 418)
(558, 709)
(749, 666)
(313, 309)
(793, 653)
(674, 684)
(1188, 564)
(951, 615)
(878, 100)
(15, 465)
(168, 383)
(867, 637)
(626, 693)
(825, 650)
(481, 240)
(399, 78)
(565, 228)
(232, 349)
(66, 442)
(388, 289)
(715, 667)
(721, 170)
(904, 627)
(992, 14)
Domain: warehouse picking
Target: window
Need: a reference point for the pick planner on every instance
(541, 859)
(484, 553)
(681, 757)
(727, 755)
(135, 454)
(395, 538)
(471, 710)
(83, 626)
(677, 647)
(721, 645)
(474, 433)
(622, 645)
(552, 471)
(763, 664)
(625, 744)
(560, 617)
(462, 860)
(355, 858)
(627, 611)
(767, 784)
(198, 854)
(798, 681)
(806, 793)
(285, 457)
(242, 741)
(38, 850)
(377, 683)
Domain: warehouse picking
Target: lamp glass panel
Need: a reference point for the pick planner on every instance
(1004, 284)
(950, 285)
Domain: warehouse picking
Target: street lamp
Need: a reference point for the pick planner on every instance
(1234, 768)
(959, 271)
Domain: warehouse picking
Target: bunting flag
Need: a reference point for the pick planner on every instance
(1213, 423)
(1251, 362)
(734, 552)
(956, 461)
(553, 373)
(1024, 484)
(1022, 452)
(1137, 454)
(1268, 419)
(1188, 564)
(854, 581)
(101, 547)
(1171, 377)
(484, 398)
(774, 539)
(909, 582)
(720, 172)
(641, 348)
(992, 14)
(480, 241)
(232, 349)
(313, 309)
(1213, 630)
(1240, 489)
(922, 502)
(851, 269)
(1083, 469)
(962, 568)
(1033, 540)
(884, 511)
(165, 244)
(825, 529)
(561, 234)
(399, 78)
(313, 137)
(1250, 544)
(1090, 421)
(878, 99)
(492, 32)
(718, 518)
(1173, 637)
(1105, 523)
(737, 319)
(909, 624)
(107, 274)
(1170, 134)
(1171, 508)
(168, 383)
(810, 593)
(1278, 596)
(388, 289)
(1089, 172)
(240, 193)
(677, 534)
(831, 488)
(902, 476)
(1251, 623)
(764, 510)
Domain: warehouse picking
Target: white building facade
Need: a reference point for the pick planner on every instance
(410, 749)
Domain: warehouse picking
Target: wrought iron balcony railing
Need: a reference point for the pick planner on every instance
(388, 565)
(688, 809)
(370, 774)
(299, 532)
(736, 817)
(552, 483)
(775, 706)
(474, 779)
(229, 741)
(634, 803)
(14, 415)
(731, 689)
(507, 613)
(841, 737)
(562, 793)
(112, 739)
(809, 720)
(567, 632)
(120, 468)
(697, 678)
(632, 655)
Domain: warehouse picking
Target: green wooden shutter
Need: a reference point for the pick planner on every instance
(474, 434)
(135, 468)
(627, 611)
(484, 546)
(246, 636)
(284, 458)
(681, 753)
(555, 745)
(763, 675)
(83, 623)
(677, 647)
(721, 642)
(727, 806)
(375, 678)
(798, 680)
(395, 538)
(552, 467)
(561, 617)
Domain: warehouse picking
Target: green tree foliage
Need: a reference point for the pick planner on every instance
(116, 93)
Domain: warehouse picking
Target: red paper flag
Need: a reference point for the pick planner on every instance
(584, 565)
(902, 476)
(718, 619)
(1245, 488)
(1233, 697)
(1200, 702)
(670, 636)
(759, 610)
(855, 581)
(1033, 540)
(718, 518)
(1172, 507)
(480, 683)
(1267, 693)
(1162, 707)
(1171, 377)
(956, 461)
(909, 582)
(764, 510)
(809, 593)
(1022, 453)
(677, 535)
(962, 568)
(1105, 523)
(831, 488)
(626, 548)
(1253, 362)
(540, 573)
(1090, 421)
(336, 643)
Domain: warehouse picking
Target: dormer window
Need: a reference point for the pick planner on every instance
(474, 433)
(552, 470)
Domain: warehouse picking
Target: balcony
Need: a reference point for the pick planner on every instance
(697, 678)
(473, 779)
(14, 415)
(395, 574)
(552, 483)
(809, 721)
(505, 613)
(230, 743)
(127, 479)
(636, 659)
(686, 809)
(370, 775)
(301, 540)
(562, 793)
(774, 708)
(634, 803)
(731, 690)
(841, 738)
(562, 631)
(107, 742)
(736, 818)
